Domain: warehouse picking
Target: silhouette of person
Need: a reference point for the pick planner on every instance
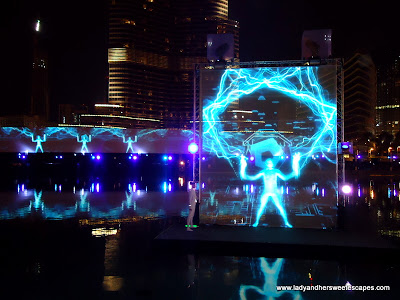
(39, 142)
(129, 142)
(270, 177)
(84, 139)
(192, 204)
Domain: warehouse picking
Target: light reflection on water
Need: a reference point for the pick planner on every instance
(92, 203)
(95, 201)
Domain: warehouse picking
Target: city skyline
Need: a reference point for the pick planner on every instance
(77, 39)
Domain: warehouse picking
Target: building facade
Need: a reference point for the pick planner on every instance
(388, 99)
(360, 96)
(153, 47)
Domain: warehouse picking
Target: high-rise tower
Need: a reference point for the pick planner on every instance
(388, 105)
(40, 107)
(360, 96)
(153, 46)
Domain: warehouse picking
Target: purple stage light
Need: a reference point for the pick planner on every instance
(98, 157)
(170, 157)
(252, 158)
(358, 156)
(135, 157)
(203, 158)
(193, 148)
(394, 157)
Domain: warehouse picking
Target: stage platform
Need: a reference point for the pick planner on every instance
(279, 242)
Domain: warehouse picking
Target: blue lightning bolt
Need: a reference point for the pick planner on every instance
(298, 83)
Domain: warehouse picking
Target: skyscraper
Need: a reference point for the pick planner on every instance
(388, 100)
(153, 46)
(40, 106)
(359, 96)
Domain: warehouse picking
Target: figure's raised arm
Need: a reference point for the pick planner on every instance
(33, 138)
(295, 167)
(243, 175)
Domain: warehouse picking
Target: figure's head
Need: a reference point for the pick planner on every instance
(269, 163)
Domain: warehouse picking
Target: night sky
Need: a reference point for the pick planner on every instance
(76, 35)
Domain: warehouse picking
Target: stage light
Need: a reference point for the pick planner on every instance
(252, 158)
(193, 148)
(98, 157)
(169, 157)
(165, 157)
(135, 157)
(93, 157)
(203, 158)
(358, 156)
(182, 163)
(346, 189)
(61, 156)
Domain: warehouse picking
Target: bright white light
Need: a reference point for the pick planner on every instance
(193, 148)
(37, 28)
(346, 189)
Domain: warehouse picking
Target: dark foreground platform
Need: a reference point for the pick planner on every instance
(280, 242)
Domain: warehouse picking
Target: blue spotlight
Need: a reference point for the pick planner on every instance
(165, 157)
(98, 157)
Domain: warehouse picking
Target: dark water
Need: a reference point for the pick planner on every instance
(96, 241)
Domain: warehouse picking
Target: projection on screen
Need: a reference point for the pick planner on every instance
(269, 147)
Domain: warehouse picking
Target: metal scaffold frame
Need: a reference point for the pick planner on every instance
(340, 123)
(197, 105)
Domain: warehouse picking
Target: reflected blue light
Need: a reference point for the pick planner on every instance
(97, 187)
(55, 187)
(169, 187)
(271, 276)
(359, 191)
(323, 192)
(164, 187)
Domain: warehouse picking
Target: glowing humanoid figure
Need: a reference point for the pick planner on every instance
(270, 177)
(39, 142)
(84, 139)
(129, 142)
(271, 275)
